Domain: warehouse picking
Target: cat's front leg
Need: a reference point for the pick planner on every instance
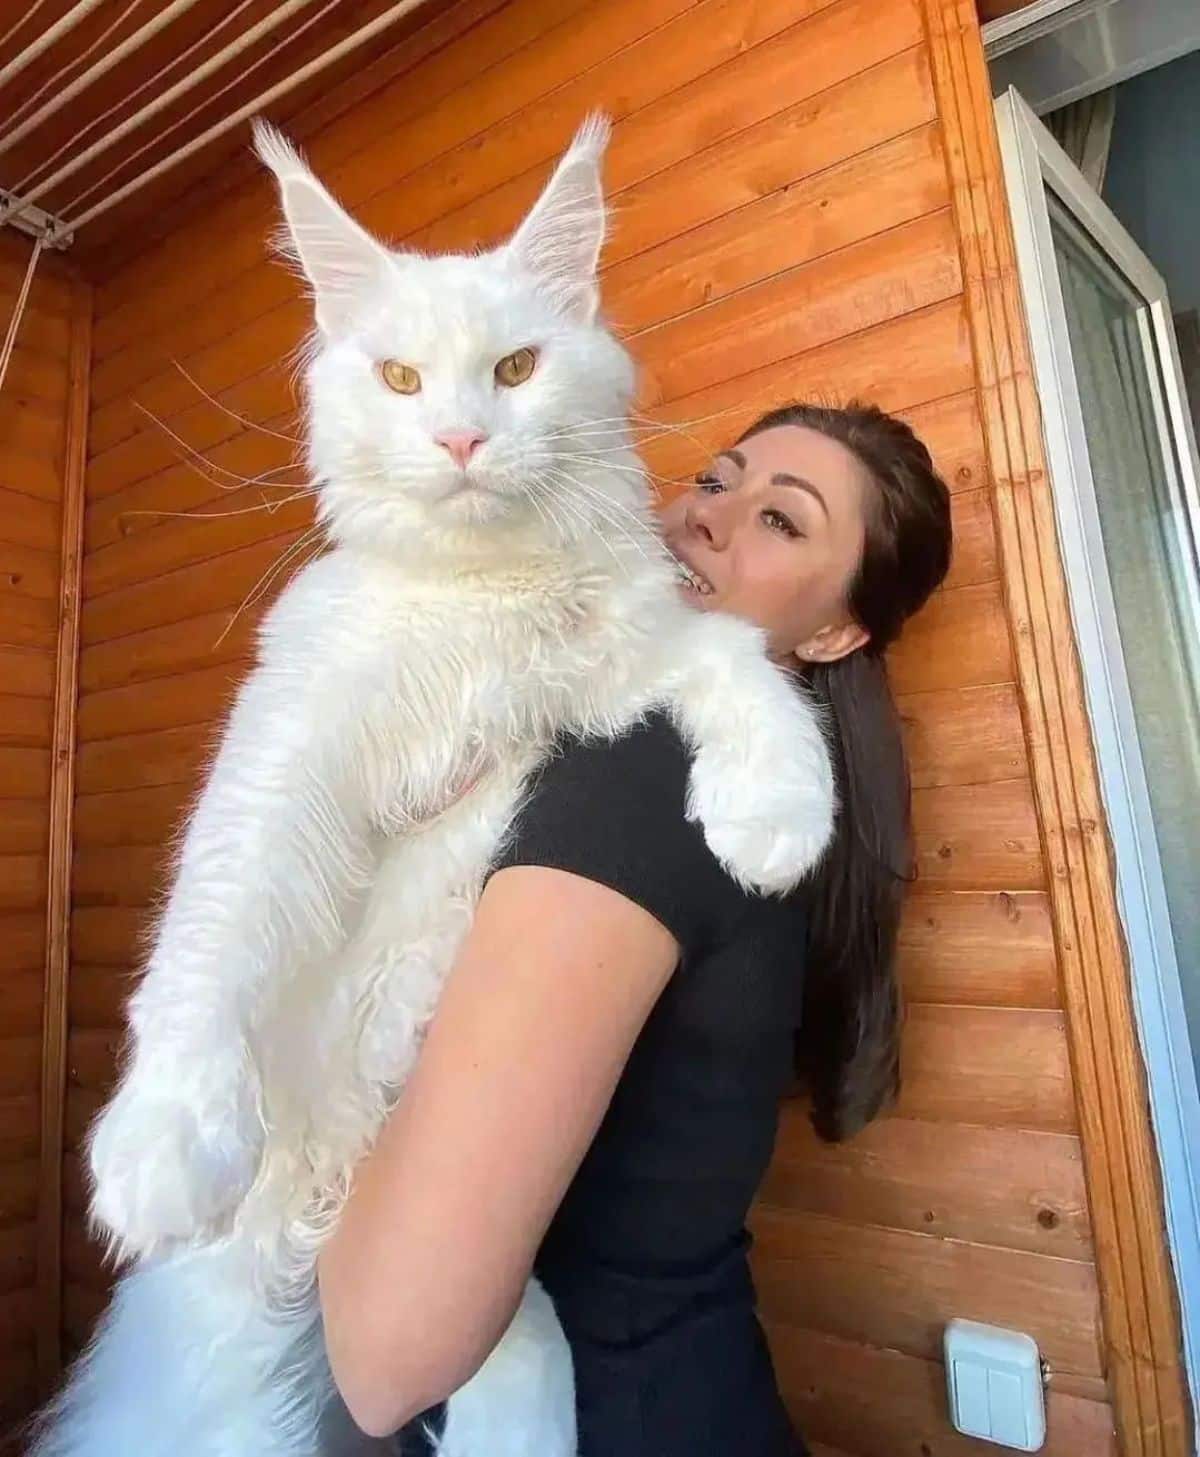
(276, 852)
(762, 782)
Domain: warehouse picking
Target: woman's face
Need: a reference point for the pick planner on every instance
(773, 531)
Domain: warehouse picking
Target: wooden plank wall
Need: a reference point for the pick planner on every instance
(783, 229)
(33, 425)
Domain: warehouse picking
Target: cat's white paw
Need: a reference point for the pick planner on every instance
(767, 820)
(170, 1165)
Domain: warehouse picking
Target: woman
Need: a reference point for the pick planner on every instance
(597, 1097)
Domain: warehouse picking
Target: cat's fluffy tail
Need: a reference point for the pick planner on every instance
(185, 1364)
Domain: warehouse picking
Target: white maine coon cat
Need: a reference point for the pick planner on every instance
(494, 578)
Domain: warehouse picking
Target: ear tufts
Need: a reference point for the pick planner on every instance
(276, 152)
(560, 240)
(341, 260)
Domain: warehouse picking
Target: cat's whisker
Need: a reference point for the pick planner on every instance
(545, 506)
(653, 478)
(264, 582)
(631, 468)
(557, 497)
(233, 414)
(607, 509)
(194, 457)
(270, 507)
(635, 470)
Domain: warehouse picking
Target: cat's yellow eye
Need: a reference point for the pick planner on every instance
(402, 378)
(515, 369)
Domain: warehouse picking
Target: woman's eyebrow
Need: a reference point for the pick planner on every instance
(781, 478)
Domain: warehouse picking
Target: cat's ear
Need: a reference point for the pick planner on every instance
(559, 242)
(340, 259)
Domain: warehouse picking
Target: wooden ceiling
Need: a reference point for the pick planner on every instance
(190, 39)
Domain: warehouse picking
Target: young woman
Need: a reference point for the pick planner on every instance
(597, 1098)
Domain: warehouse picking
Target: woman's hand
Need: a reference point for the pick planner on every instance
(436, 1243)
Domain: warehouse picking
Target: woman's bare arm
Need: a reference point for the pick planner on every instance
(435, 1245)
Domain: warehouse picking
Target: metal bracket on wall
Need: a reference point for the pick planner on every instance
(36, 223)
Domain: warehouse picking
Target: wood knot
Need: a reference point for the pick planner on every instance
(1048, 1218)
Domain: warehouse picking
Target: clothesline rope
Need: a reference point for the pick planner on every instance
(18, 313)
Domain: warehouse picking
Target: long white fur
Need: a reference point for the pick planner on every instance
(330, 868)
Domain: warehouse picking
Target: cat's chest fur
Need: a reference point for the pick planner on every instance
(530, 641)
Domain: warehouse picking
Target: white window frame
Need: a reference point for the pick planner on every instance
(1033, 164)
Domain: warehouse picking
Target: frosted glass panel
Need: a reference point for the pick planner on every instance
(1151, 561)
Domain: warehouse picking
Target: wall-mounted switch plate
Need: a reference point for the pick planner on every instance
(994, 1380)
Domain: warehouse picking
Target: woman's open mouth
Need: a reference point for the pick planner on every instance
(693, 580)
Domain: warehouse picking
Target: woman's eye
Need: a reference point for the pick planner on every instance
(516, 368)
(777, 521)
(402, 378)
(711, 484)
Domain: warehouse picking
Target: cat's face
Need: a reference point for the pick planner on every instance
(454, 393)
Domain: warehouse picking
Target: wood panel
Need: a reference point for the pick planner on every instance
(34, 412)
(884, 1403)
(979, 948)
(996, 1066)
(987, 1186)
(1142, 1335)
(97, 997)
(183, 698)
(784, 228)
(892, 1288)
(978, 837)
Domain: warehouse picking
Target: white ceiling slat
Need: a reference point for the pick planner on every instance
(111, 58)
(90, 125)
(146, 113)
(77, 201)
(64, 159)
(44, 41)
(252, 108)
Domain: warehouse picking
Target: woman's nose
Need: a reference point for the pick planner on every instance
(708, 517)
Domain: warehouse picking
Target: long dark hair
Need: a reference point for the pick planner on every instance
(848, 1047)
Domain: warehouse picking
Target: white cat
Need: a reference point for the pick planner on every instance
(494, 578)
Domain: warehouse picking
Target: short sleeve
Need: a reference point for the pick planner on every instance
(613, 811)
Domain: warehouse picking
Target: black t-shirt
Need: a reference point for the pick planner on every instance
(646, 1258)
(687, 1137)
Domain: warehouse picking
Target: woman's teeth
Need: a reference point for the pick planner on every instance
(694, 580)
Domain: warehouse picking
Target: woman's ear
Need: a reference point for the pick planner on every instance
(838, 640)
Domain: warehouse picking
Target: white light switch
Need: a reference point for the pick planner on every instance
(994, 1382)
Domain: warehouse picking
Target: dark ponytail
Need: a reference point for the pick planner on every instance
(848, 1047)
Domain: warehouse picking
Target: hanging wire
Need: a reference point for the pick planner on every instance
(173, 64)
(10, 339)
(289, 39)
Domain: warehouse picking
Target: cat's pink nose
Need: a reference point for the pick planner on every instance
(461, 445)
